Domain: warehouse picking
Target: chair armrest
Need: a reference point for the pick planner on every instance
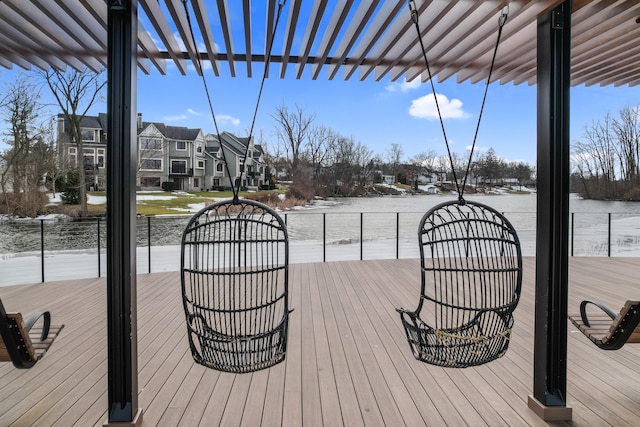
(46, 319)
(583, 311)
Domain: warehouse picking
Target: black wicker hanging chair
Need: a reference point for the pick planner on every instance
(471, 266)
(235, 271)
(471, 269)
(235, 286)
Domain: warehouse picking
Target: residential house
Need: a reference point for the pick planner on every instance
(172, 157)
(243, 157)
(171, 154)
(94, 147)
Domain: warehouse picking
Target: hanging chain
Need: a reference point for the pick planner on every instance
(235, 186)
(501, 22)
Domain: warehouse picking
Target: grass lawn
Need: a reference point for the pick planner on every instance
(152, 203)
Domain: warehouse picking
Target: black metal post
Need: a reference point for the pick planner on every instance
(122, 354)
(42, 250)
(149, 242)
(573, 220)
(552, 235)
(99, 264)
(324, 237)
(397, 235)
(609, 235)
(361, 235)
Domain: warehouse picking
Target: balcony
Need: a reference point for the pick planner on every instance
(180, 171)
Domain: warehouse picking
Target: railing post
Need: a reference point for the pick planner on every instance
(573, 217)
(42, 249)
(99, 272)
(324, 237)
(609, 235)
(361, 234)
(285, 220)
(149, 242)
(397, 235)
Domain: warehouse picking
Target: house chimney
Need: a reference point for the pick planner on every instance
(139, 120)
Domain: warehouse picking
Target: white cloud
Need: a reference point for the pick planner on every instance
(225, 119)
(425, 108)
(194, 112)
(175, 118)
(404, 86)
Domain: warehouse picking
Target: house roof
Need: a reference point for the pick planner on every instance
(333, 39)
(231, 142)
(179, 133)
(94, 122)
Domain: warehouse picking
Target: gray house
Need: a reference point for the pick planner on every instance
(186, 158)
(173, 154)
(94, 147)
(253, 168)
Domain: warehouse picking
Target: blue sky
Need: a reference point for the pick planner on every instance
(376, 114)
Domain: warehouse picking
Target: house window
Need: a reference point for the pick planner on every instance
(216, 182)
(72, 155)
(151, 144)
(101, 157)
(150, 181)
(200, 164)
(219, 167)
(88, 135)
(178, 166)
(199, 148)
(151, 164)
(181, 145)
(196, 182)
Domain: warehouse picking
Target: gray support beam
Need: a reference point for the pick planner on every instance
(122, 337)
(550, 341)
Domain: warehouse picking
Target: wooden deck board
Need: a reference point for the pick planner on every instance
(348, 362)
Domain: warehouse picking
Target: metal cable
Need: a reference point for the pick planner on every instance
(234, 187)
(501, 21)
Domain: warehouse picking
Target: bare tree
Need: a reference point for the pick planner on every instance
(76, 92)
(292, 129)
(626, 128)
(596, 157)
(317, 150)
(423, 163)
(394, 157)
(25, 159)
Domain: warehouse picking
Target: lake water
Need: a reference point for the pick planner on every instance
(338, 229)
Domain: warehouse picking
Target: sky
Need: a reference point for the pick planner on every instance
(377, 114)
(374, 113)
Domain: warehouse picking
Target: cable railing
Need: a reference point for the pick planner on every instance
(51, 250)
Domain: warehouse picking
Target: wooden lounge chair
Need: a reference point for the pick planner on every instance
(24, 343)
(606, 334)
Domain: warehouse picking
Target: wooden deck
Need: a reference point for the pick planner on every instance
(348, 362)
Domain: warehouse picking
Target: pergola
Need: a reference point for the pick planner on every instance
(551, 43)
